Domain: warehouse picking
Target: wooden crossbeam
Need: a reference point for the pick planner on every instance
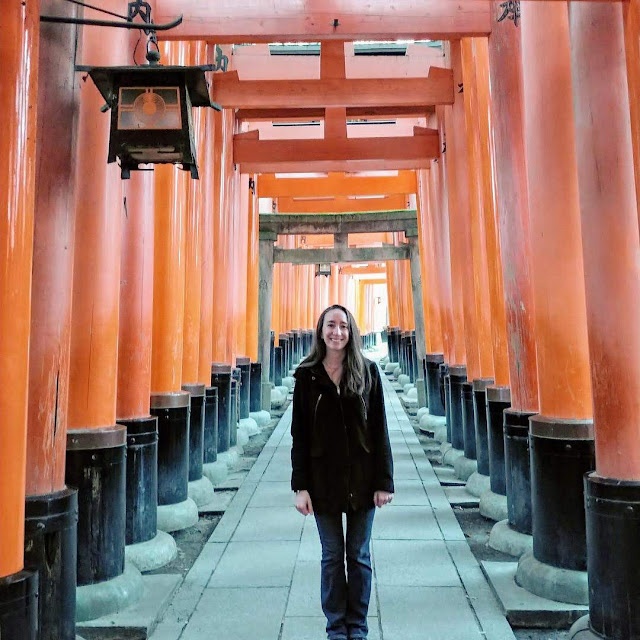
(288, 224)
(300, 114)
(436, 89)
(232, 21)
(358, 271)
(343, 254)
(347, 154)
(341, 204)
(336, 184)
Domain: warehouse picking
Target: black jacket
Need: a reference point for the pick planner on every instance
(341, 452)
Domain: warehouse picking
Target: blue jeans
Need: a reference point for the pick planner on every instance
(345, 599)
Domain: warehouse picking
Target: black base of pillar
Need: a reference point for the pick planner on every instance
(468, 422)
(50, 544)
(446, 381)
(233, 413)
(457, 377)
(172, 411)
(498, 399)
(221, 379)
(210, 436)
(19, 606)
(244, 392)
(562, 452)
(518, 469)
(255, 395)
(613, 532)
(96, 466)
(196, 429)
(480, 424)
(142, 479)
(278, 365)
(433, 383)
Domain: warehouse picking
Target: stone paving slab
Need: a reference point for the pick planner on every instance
(525, 609)
(460, 497)
(258, 576)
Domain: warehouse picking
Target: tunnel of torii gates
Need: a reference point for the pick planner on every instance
(129, 309)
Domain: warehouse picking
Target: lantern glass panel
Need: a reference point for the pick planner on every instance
(149, 108)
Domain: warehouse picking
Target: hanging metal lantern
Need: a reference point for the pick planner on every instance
(151, 113)
(323, 270)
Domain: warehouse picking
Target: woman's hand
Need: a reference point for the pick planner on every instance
(303, 503)
(380, 498)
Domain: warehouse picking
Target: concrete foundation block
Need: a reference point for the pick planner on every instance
(553, 583)
(277, 398)
(108, 597)
(440, 433)
(411, 392)
(582, 631)
(140, 619)
(152, 554)
(217, 472)
(201, 491)
(262, 418)
(384, 361)
(242, 437)
(404, 380)
(451, 456)
(229, 457)
(507, 540)
(176, 517)
(493, 506)
(445, 447)
(464, 467)
(250, 425)
(397, 372)
(288, 382)
(390, 367)
(478, 484)
(422, 411)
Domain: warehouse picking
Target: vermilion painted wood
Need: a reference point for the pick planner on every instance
(610, 237)
(631, 16)
(481, 332)
(19, 81)
(230, 22)
(564, 383)
(512, 192)
(252, 274)
(341, 204)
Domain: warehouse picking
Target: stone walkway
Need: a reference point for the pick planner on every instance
(258, 577)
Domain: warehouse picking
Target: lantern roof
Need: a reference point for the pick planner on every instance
(108, 79)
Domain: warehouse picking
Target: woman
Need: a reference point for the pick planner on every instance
(342, 463)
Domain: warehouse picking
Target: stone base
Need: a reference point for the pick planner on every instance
(445, 447)
(582, 631)
(404, 380)
(493, 506)
(524, 609)
(465, 467)
(288, 382)
(217, 472)
(229, 457)
(553, 583)
(250, 426)
(139, 620)
(242, 438)
(422, 393)
(478, 484)
(152, 554)
(440, 433)
(422, 411)
(262, 418)
(277, 398)
(410, 391)
(451, 456)
(390, 367)
(507, 540)
(176, 517)
(201, 491)
(397, 372)
(108, 597)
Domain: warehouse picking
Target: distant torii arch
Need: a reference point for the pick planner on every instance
(340, 225)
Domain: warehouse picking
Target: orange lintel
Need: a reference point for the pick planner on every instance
(341, 204)
(336, 184)
(372, 268)
(231, 21)
(350, 154)
(230, 92)
(317, 113)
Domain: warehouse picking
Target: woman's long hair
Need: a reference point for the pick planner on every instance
(356, 378)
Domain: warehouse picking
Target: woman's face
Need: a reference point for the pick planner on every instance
(335, 330)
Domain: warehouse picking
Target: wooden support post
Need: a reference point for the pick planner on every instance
(265, 289)
(253, 251)
(611, 247)
(561, 436)
(19, 80)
